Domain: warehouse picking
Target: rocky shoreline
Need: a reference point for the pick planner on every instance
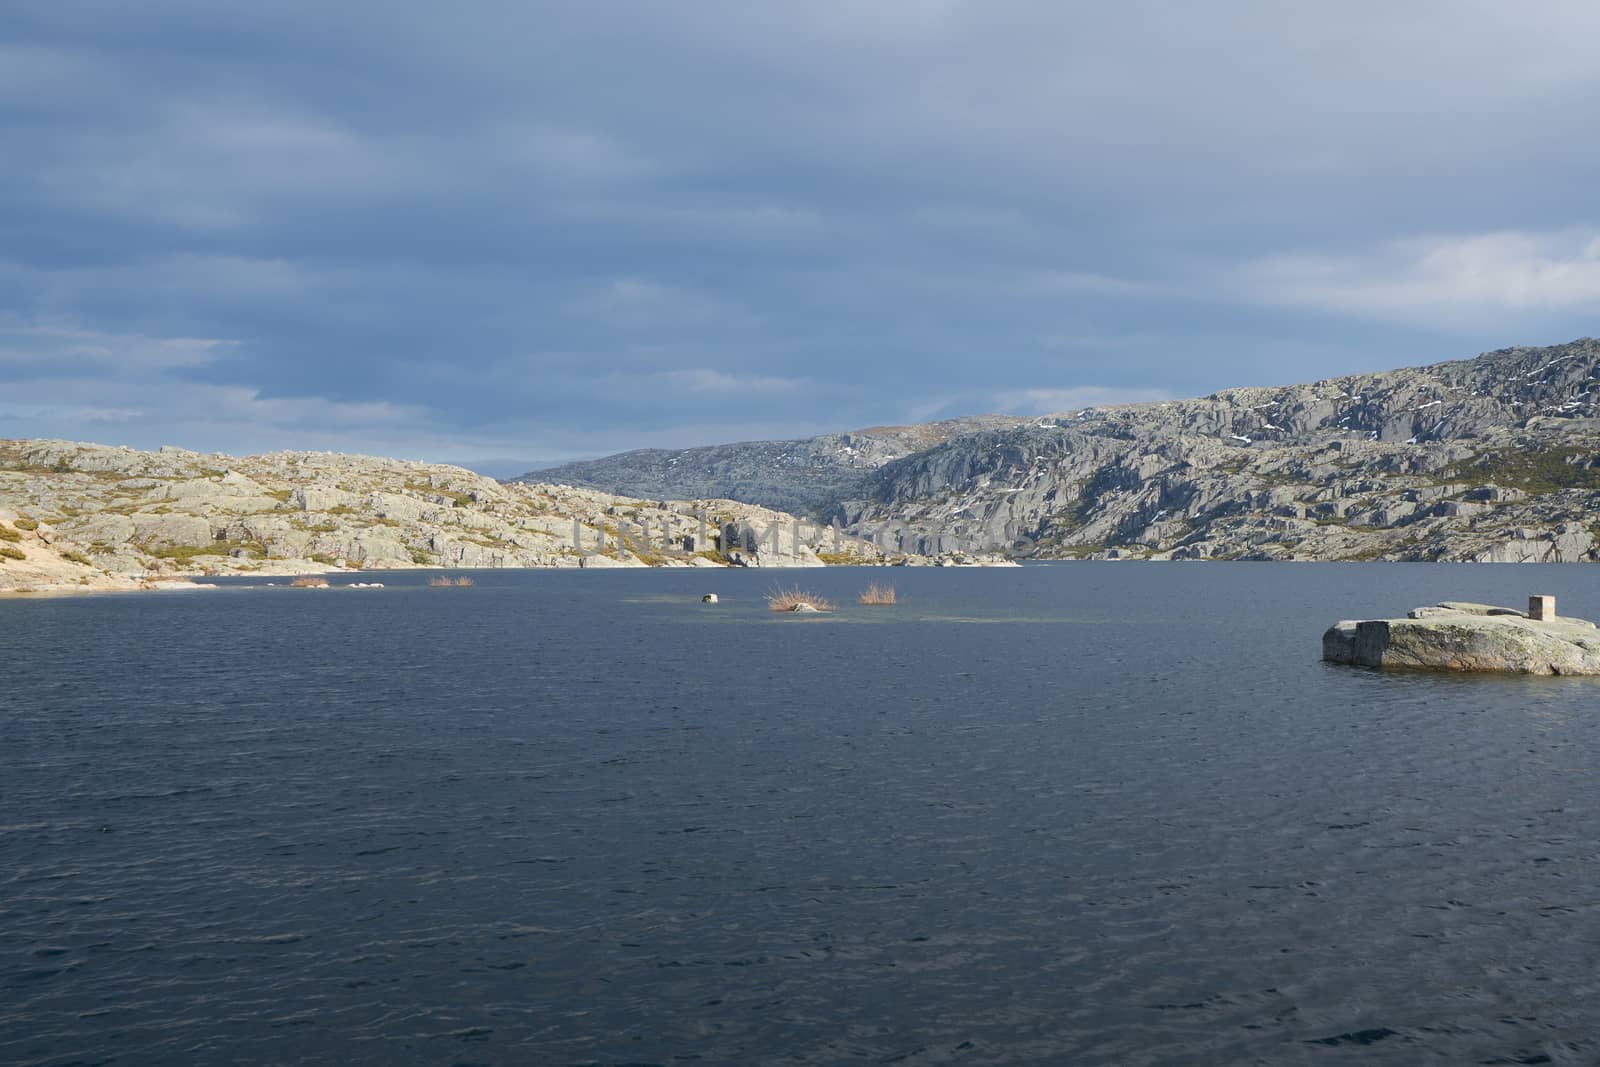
(78, 517)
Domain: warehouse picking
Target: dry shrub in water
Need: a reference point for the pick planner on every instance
(448, 582)
(310, 583)
(878, 593)
(789, 599)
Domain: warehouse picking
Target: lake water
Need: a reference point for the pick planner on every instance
(1075, 813)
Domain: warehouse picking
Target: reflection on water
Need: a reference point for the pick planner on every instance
(583, 818)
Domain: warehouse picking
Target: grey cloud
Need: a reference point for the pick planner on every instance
(538, 227)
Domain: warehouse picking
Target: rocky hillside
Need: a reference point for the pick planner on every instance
(91, 516)
(806, 476)
(1495, 458)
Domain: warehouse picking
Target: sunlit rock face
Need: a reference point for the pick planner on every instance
(1467, 637)
(1490, 459)
(98, 517)
(1495, 459)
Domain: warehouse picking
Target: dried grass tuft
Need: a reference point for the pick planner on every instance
(792, 599)
(878, 593)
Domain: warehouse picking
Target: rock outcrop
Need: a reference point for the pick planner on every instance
(93, 517)
(1454, 636)
(1493, 459)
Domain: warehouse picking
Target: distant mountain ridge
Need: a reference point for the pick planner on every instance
(805, 476)
(1495, 458)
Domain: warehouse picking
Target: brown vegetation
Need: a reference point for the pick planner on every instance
(792, 599)
(878, 593)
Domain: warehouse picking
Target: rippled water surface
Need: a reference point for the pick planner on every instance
(1077, 813)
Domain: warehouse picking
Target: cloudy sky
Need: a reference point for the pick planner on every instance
(531, 230)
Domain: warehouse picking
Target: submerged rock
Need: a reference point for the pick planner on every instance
(1455, 636)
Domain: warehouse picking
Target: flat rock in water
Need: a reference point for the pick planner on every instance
(1467, 637)
(1468, 608)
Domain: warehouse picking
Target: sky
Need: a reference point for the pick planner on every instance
(505, 233)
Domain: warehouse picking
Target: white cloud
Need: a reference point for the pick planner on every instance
(1436, 280)
(706, 380)
(53, 344)
(227, 418)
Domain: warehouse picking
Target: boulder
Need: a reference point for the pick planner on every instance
(372, 548)
(606, 562)
(107, 528)
(238, 494)
(397, 506)
(186, 530)
(1467, 637)
(321, 498)
(1339, 642)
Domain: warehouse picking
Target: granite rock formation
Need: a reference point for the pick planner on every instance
(1468, 637)
(95, 517)
(1493, 459)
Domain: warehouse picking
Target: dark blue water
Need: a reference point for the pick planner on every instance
(1081, 813)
